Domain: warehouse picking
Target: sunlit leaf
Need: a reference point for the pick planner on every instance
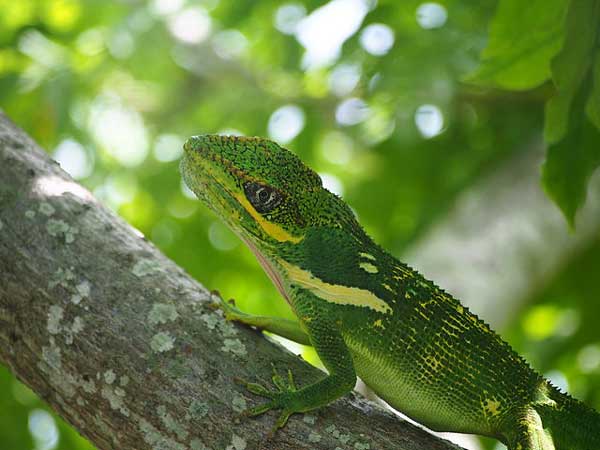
(523, 40)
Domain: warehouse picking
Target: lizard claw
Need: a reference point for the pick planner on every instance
(228, 307)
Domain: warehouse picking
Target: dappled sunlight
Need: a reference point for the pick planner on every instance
(53, 186)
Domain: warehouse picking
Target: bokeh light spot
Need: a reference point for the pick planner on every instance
(90, 42)
(73, 158)
(121, 44)
(344, 78)
(558, 379)
(288, 16)
(324, 31)
(164, 233)
(229, 44)
(286, 123)
(230, 132)
(140, 20)
(431, 15)
(336, 147)
(181, 207)
(377, 39)
(191, 25)
(117, 190)
(588, 358)
(62, 14)
(41, 49)
(165, 7)
(332, 183)
(541, 322)
(429, 120)
(352, 111)
(120, 131)
(168, 147)
(43, 429)
(379, 126)
(221, 237)
(186, 191)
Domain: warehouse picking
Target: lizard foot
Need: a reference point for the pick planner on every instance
(280, 398)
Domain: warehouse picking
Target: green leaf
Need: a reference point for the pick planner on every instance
(571, 161)
(571, 65)
(523, 40)
(592, 107)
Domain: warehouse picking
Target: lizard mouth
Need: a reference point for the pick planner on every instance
(217, 196)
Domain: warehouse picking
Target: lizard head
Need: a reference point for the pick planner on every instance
(261, 190)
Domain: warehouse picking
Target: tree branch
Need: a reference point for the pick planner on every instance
(122, 343)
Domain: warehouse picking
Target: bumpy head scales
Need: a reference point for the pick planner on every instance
(260, 189)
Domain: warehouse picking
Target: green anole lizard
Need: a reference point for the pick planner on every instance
(368, 314)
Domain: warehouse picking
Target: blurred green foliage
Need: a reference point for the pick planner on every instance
(554, 40)
(112, 89)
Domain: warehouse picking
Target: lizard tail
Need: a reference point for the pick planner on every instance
(572, 424)
(558, 423)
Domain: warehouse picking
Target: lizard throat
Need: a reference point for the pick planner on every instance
(268, 268)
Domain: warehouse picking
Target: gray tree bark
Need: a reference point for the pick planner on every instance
(124, 345)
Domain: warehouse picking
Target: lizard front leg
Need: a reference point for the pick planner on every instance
(289, 329)
(325, 336)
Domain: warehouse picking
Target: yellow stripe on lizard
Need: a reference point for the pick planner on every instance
(272, 229)
(335, 293)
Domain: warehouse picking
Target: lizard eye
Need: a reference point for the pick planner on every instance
(263, 198)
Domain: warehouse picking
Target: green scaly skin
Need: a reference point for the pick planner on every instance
(368, 314)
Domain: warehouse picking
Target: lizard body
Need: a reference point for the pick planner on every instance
(368, 314)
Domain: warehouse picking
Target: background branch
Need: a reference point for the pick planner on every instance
(123, 344)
